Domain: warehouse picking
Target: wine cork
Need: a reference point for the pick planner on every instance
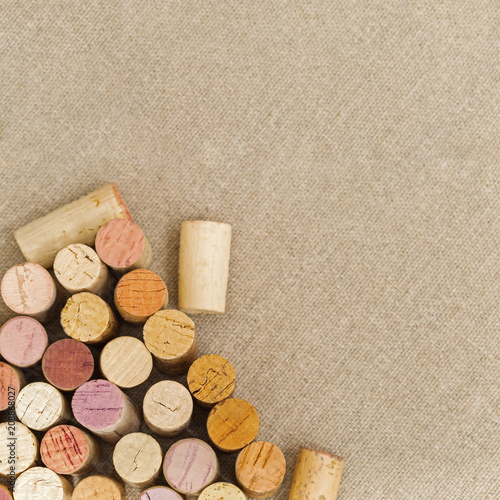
(158, 493)
(190, 465)
(260, 469)
(11, 382)
(79, 269)
(211, 379)
(23, 341)
(222, 491)
(41, 406)
(99, 488)
(67, 364)
(170, 337)
(76, 222)
(18, 448)
(101, 407)
(88, 318)
(232, 424)
(168, 408)
(317, 474)
(29, 289)
(5, 493)
(126, 362)
(121, 244)
(204, 266)
(137, 459)
(40, 483)
(139, 294)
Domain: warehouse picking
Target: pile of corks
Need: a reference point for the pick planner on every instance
(80, 296)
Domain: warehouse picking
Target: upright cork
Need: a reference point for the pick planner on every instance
(121, 244)
(40, 483)
(137, 459)
(102, 408)
(260, 469)
(17, 443)
(5, 493)
(88, 318)
(29, 289)
(11, 382)
(204, 266)
(79, 269)
(170, 337)
(158, 493)
(222, 491)
(139, 294)
(99, 488)
(76, 222)
(317, 474)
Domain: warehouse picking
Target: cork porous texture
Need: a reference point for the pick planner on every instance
(354, 149)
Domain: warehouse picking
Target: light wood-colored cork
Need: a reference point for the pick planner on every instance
(121, 244)
(222, 491)
(11, 382)
(232, 424)
(159, 493)
(99, 488)
(79, 269)
(260, 469)
(170, 336)
(168, 408)
(317, 474)
(76, 222)
(40, 483)
(88, 318)
(5, 493)
(137, 459)
(126, 362)
(19, 445)
(204, 266)
(211, 379)
(29, 289)
(139, 294)
(41, 406)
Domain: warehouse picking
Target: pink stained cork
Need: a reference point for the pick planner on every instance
(11, 382)
(23, 341)
(158, 493)
(5, 494)
(67, 364)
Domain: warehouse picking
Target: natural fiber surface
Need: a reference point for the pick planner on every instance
(354, 147)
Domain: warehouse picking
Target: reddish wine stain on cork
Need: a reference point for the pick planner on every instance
(9, 379)
(23, 341)
(67, 364)
(158, 493)
(6, 495)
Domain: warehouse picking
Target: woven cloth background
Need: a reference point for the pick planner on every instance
(354, 147)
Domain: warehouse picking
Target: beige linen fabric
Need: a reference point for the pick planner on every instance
(354, 147)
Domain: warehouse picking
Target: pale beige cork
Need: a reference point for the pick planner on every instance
(170, 336)
(78, 268)
(88, 318)
(317, 475)
(76, 222)
(168, 408)
(99, 488)
(222, 491)
(40, 483)
(137, 459)
(19, 443)
(126, 362)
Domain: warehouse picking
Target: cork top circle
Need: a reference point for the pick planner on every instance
(40, 482)
(77, 265)
(4, 493)
(160, 493)
(26, 447)
(222, 491)
(9, 377)
(98, 488)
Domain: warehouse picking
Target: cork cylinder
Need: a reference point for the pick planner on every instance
(11, 382)
(317, 474)
(158, 493)
(40, 483)
(99, 488)
(18, 444)
(121, 244)
(137, 459)
(222, 491)
(76, 222)
(102, 408)
(5, 493)
(29, 289)
(204, 266)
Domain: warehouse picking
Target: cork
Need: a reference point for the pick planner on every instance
(102, 408)
(137, 459)
(232, 424)
(168, 408)
(11, 382)
(158, 493)
(88, 318)
(18, 444)
(190, 465)
(41, 406)
(40, 483)
(260, 469)
(204, 266)
(78, 268)
(211, 379)
(76, 222)
(67, 364)
(99, 488)
(222, 491)
(139, 294)
(126, 362)
(29, 289)
(65, 449)
(5, 493)
(317, 474)
(170, 337)
(23, 341)
(121, 244)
